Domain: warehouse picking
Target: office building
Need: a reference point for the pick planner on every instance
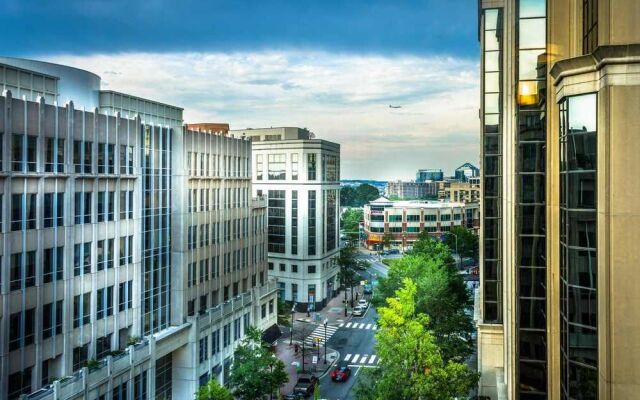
(405, 220)
(403, 190)
(133, 256)
(466, 171)
(457, 191)
(558, 301)
(424, 175)
(300, 177)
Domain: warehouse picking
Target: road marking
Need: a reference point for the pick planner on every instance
(372, 359)
(361, 326)
(349, 324)
(368, 326)
(375, 327)
(347, 357)
(363, 360)
(341, 325)
(355, 358)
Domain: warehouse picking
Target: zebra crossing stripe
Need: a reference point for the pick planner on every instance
(368, 326)
(355, 358)
(361, 326)
(347, 357)
(341, 325)
(363, 360)
(349, 324)
(372, 359)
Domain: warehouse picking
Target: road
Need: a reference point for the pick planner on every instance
(355, 342)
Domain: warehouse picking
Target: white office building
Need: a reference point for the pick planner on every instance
(133, 254)
(300, 176)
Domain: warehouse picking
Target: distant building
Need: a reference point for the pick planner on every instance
(216, 127)
(433, 174)
(466, 171)
(411, 190)
(404, 220)
(300, 176)
(465, 192)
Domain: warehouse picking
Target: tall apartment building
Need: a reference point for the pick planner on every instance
(432, 174)
(559, 316)
(300, 176)
(133, 256)
(405, 220)
(465, 192)
(411, 190)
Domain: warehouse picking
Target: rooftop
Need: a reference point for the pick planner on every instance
(383, 201)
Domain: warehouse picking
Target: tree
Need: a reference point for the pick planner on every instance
(467, 242)
(284, 315)
(349, 264)
(411, 366)
(441, 294)
(213, 391)
(347, 196)
(316, 392)
(366, 193)
(350, 223)
(386, 240)
(256, 372)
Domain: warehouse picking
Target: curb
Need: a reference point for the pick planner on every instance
(330, 365)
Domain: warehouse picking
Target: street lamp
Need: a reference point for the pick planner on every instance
(293, 310)
(325, 340)
(458, 254)
(303, 356)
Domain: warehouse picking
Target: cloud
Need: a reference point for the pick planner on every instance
(342, 98)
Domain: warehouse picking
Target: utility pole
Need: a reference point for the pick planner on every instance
(325, 340)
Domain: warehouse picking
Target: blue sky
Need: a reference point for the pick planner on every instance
(332, 66)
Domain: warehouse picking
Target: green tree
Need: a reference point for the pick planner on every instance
(411, 366)
(213, 391)
(467, 242)
(256, 371)
(316, 392)
(441, 294)
(284, 313)
(349, 264)
(347, 196)
(386, 240)
(366, 193)
(350, 222)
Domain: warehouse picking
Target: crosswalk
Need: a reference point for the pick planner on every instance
(318, 335)
(358, 325)
(361, 359)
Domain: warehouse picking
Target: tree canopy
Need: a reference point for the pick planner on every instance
(411, 365)
(441, 294)
(467, 242)
(256, 371)
(213, 391)
(350, 222)
(358, 196)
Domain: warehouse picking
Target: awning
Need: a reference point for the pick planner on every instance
(271, 334)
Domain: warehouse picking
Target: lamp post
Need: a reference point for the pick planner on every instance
(345, 293)
(458, 254)
(303, 356)
(325, 340)
(293, 310)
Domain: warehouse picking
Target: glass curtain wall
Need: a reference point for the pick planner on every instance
(530, 200)
(156, 225)
(492, 160)
(578, 262)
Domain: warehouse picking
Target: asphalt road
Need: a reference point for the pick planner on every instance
(355, 342)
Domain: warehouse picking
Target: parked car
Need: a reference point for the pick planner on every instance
(358, 311)
(384, 253)
(305, 385)
(394, 251)
(363, 303)
(341, 373)
(368, 289)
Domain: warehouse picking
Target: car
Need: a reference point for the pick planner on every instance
(341, 373)
(358, 311)
(305, 385)
(394, 251)
(363, 303)
(385, 253)
(368, 289)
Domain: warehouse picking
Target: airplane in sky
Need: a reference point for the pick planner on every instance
(390, 106)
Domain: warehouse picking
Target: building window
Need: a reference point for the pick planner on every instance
(226, 336)
(294, 292)
(23, 270)
(294, 268)
(277, 167)
(126, 204)
(277, 221)
(105, 254)
(54, 155)
(215, 342)
(203, 351)
(104, 306)
(295, 166)
(331, 217)
(126, 250)
(125, 295)
(19, 383)
(21, 329)
(24, 153)
(24, 203)
(106, 206)
(331, 168)
(52, 319)
(259, 167)
(311, 269)
(589, 26)
(53, 209)
(311, 220)
(311, 166)
(283, 268)
(164, 377)
(126, 159)
(578, 245)
(53, 264)
(82, 207)
(103, 347)
(82, 258)
(294, 221)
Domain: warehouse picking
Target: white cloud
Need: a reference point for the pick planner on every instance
(343, 98)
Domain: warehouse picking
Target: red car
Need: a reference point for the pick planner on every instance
(341, 373)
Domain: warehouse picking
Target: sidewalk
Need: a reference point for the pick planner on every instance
(333, 311)
(293, 361)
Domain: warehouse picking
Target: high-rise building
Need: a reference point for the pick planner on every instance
(432, 174)
(466, 171)
(558, 300)
(466, 192)
(300, 177)
(133, 255)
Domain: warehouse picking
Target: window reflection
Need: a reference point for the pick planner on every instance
(532, 8)
(532, 33)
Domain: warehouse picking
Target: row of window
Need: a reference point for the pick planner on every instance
(224, 231)
(210, 199)
(213, 342)
(414, 218)
(24, 149)
(204, 164)
(104, 303)
(311, 269)
(277, 167)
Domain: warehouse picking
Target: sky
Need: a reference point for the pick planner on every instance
(332, 66)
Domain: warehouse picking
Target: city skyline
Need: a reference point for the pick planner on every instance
(329, 74)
